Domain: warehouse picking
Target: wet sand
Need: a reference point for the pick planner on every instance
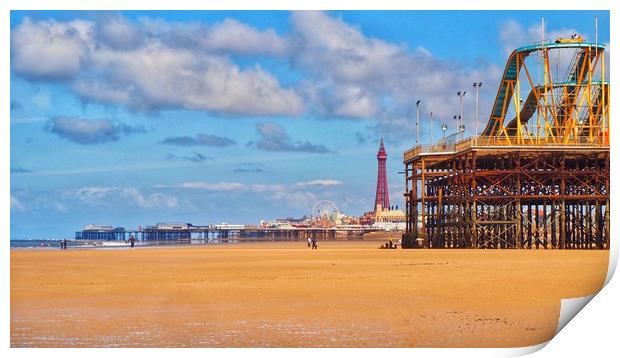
(346, 294)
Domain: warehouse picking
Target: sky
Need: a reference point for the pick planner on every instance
(136, 117)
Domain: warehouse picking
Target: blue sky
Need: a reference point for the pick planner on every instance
(134, 117)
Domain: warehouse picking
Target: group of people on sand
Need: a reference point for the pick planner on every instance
(63, 244)
(312, 243)
(391, 245)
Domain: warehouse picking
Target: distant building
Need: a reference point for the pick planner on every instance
(384, 216)
(167, 231)
(173, 226)
(337, 220)
(344, 220)
(389, 226)
(100, 233)
(389, 219)
(100, 228)
(293, 221)
(382, 196)
(389, 215)
(226, 226)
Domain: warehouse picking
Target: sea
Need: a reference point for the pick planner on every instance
(47, 244)
(76, 244)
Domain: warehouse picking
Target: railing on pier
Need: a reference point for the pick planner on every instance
(504, 142)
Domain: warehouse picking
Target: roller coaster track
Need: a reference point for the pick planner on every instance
(531, 103)
(511, 74)
(596, 105)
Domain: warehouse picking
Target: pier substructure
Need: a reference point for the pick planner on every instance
(506, 197)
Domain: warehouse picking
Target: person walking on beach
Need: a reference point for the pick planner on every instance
(314, 245)
(61, 244)
(309, 241)
(64, 244)
(132, 241)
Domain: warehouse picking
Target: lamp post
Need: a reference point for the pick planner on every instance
(417, 122)
(444, 128)
(461, 95)
(431, 127)
(477, 86)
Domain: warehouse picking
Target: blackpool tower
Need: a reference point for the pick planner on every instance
(383, 195)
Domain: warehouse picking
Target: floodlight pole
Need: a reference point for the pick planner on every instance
(417, 122)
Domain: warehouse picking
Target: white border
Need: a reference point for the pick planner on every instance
(592, 333)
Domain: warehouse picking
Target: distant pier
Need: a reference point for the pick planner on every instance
(186, 232)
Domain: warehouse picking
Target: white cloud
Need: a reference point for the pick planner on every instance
(232, 36)
(42, 99)
(331, 47)
(58, 207)
(221, 186)
(102, 196)
(300, 195)
(89, 131)
(229, 36)
(49, 50)
(355, 101)
(342, 100)
(259, 188)
(512, 35)
(36, 201)
(534, 34)
(16, 204)
(156, 77)
(274, 138)
(318, 182)
(117, 32)
(357, 76)
(152, 64)
(229, 186)
(296, 199)
(330, 44)
(147, 73)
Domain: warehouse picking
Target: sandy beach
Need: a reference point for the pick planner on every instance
(345, 294)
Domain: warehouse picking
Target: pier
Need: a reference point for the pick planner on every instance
(187, 233)
(538, 180)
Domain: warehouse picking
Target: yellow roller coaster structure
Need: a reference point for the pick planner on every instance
(572, 111)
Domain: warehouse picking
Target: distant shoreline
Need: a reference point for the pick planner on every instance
(34, 245)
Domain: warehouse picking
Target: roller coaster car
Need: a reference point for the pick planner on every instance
(570, 40)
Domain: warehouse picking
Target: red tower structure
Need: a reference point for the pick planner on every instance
(383, 195)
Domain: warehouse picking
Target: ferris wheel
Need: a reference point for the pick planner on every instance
(325, 210)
